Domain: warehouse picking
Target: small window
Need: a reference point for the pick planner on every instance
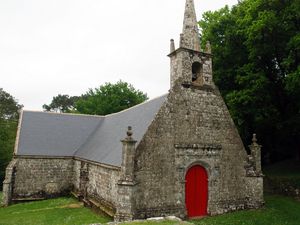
(196, 71)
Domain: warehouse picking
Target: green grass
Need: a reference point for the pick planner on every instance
(278, 211)
(67, 211)
(165, 222)
(61, 211)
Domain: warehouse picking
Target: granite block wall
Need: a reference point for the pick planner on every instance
(34, 178)
(193, 127)
(40, 177)
(97, 182)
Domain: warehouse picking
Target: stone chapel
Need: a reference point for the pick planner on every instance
(179, 154)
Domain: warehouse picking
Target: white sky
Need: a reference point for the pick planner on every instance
(51, 47)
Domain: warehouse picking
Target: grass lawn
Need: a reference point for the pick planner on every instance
(64, 211)
(278, 211)
(166, 222)
(61, 211)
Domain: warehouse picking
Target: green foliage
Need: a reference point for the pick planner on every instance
(110, 98)
(278, 210)
(61, 211)
(1, 199)
(256, 47)
(8, 130)
(9, 106)
(9, 113)
(287, 168)
(283, 176)
(62, 104)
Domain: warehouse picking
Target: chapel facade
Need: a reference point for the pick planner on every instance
(180, 154)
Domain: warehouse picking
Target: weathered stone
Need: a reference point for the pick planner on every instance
(192, 128)
(126, 185)
(99, 184)
(9, 183)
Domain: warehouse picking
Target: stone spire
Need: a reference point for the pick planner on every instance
(190, 35)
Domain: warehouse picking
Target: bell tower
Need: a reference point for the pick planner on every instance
(190, 65)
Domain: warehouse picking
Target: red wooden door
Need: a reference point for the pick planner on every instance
(196, 191)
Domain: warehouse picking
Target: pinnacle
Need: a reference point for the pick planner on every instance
(190, 37)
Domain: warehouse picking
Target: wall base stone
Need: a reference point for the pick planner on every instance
(8, 183)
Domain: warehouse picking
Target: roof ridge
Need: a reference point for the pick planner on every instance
(99, 116)
(64, 114)
(89, 137)
(135, 106)
(109, 116)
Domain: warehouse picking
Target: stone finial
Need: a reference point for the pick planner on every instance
(172, 46)
(181, 41)
(191, 39)
(129, 132)
(208, 47)
(254, 139)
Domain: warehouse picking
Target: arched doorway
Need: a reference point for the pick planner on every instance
(196, 191)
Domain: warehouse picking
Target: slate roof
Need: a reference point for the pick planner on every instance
(95, 138)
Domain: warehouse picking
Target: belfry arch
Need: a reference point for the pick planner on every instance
(197, 73)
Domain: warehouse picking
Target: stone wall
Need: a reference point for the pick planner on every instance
(181, 67)
(254, 190)
(35, 178)
(8, 183)
(97, 182)
(193, 127)
(41, 177)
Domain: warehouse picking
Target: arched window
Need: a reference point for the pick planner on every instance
(196, 71)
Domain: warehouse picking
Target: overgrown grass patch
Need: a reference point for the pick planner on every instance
(61, 211)
(278, 211)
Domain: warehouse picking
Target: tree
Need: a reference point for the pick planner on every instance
(9, 107)
(9, 114)
(256, 47)
(109, 98)
(62, 104)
